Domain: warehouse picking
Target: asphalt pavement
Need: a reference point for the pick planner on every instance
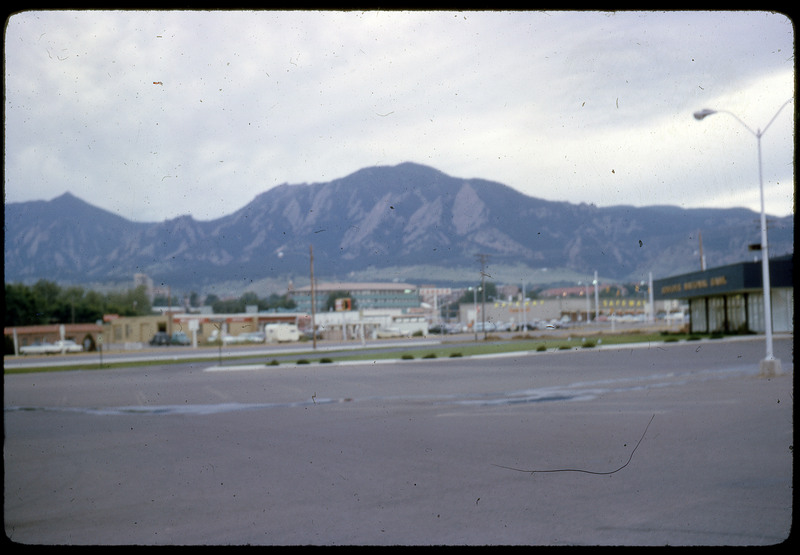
(663, 444)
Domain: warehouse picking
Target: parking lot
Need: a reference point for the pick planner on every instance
(664, 444)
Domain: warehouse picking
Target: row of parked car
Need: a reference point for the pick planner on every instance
(250, 337)
(45, 348)
(495, 326)
(163, 338)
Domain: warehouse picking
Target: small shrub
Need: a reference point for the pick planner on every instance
(430, 355)
(541, 348)
(455, 355)
(274, 362)
(326, 360)
(302, 361)
(589, 344)
(407, 357)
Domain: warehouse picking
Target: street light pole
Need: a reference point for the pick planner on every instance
(475, 308)
(770, 366)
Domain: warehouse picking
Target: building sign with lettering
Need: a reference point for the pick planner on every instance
(744, 276)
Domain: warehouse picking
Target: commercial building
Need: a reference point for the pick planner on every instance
(87, 335)
(574, 309)
(402, 296)
(730, 299)
(132, 332)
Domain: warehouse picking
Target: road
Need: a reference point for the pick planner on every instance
(176, 353)
(227, 352)
(670, 444)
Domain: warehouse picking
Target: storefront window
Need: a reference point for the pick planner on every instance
(737, 316)
(697, 309)
(782, 309)
(716, 314)
(755, 309)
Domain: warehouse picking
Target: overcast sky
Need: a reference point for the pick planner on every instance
(156, 114)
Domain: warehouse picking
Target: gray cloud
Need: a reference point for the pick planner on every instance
(157, 114)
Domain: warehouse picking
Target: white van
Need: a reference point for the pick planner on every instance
(279, 333)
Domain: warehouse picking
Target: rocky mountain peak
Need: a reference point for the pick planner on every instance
(408, 216)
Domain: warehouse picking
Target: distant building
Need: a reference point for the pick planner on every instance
(508, 291)
(370, 295)
(84, 334)
(435, 296)
(730, 298)
(131, 332)
(576, 291)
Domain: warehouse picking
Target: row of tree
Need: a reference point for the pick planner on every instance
(46, 302)
(273, 302)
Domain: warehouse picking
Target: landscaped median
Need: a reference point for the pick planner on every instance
(492, 347)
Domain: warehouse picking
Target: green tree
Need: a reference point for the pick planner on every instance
(280, 301)
(46, 302)
(228, 306)
(47, 299)
(71, 299)
(249, 298)
(93, 305)
(533, 293)
(469, 296)
(20, 306)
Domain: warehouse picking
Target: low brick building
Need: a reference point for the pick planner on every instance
(83, 334)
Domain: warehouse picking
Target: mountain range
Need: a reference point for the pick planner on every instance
(380, 222)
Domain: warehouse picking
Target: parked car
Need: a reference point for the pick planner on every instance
(38, 348)
(226, 338)
(309, 335)
(160, 338)
(490, 326)
(67, 346)
(456, 327)
(439, 329)
(384, 333)
(252, 337)
(180, 338)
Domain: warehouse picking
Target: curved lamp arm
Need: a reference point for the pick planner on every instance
(701, 114)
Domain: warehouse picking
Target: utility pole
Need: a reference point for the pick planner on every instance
(313, 300)
(483, 258)
(702, 257)
(596, 299)
(169, 311)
